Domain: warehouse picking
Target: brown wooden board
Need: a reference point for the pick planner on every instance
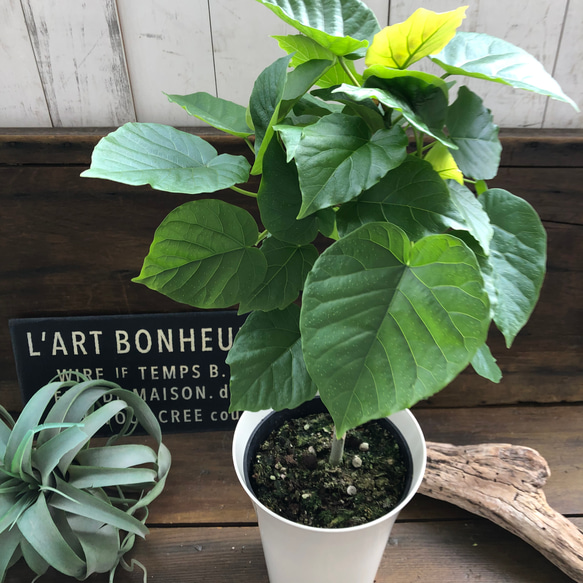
(452, 552)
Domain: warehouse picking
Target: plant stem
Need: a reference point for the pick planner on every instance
(248, 142)
(262, 236)
(337, 450)
(245, 192)
(348, 71)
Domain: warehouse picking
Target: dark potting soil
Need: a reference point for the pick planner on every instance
(292, 477)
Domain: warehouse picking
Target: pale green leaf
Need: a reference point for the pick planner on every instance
(341, 26)
(479, 55)
(117, 456)
(220, 113)
(101, 477)
(165, 158)
(424, 33)
(443, 163)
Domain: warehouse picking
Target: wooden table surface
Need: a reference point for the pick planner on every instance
(70, 246)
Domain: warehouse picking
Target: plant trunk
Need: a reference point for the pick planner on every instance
(337, 449)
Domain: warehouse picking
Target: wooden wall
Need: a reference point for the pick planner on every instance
(101, 63)
(70, 246)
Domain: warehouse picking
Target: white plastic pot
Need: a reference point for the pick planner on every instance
(297, 553)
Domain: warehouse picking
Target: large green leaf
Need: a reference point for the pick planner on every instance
(517, 257)
(280, 199)
(418, 96)
(386, 323)
(473, 131)
(424, 33)
(274, 94)
(341, 26)
(287, 268)
(337, 159)
(412, 196)
(475, 219)
(166, 159)
(219, 113)
(303, 48)
(203, 255)
(267, 364)
(486, 57)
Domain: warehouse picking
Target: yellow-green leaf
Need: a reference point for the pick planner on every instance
(424, 33)
(443, 163)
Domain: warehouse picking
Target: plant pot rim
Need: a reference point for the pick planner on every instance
(418, 470)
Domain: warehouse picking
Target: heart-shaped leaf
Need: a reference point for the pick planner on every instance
(479, 55)
(517, 257)
(422, 102)
(303, 49)
(166, 159)
(337, 159)
(424, 33)
(280, 199)
(224, 115)
(412, 196)
(341, 26)
(287, 268)
(473, 131)
(267, 364)
(386, 323)
(274, 94)
(203, 255)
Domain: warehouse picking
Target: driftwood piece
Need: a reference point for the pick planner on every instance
(503, 483)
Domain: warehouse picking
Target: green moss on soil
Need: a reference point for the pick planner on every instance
(292, 477)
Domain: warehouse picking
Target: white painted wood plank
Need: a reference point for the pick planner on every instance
(536, 28)
(79, 53)
(168, 49)
(242, 43)
(23, 102)
(569, 72)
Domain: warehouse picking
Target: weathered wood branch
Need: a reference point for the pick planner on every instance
(503, 483)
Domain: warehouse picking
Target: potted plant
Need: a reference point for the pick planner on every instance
(68, 502)
(386, 164)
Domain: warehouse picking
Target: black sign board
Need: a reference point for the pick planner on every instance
(175, 362)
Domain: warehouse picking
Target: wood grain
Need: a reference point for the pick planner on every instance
(79, 54)
(23, 101)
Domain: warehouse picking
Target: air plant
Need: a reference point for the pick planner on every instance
(67, 502)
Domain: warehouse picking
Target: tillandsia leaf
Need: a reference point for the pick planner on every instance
(424, 33)
(204, 255)
(280, 199)
(412, 196)
(485, 364)
(443, 163)
(37, 525)
(341, 26)
(267, 364)
(386, 323)
(99, 477)
(220, 113)
(165, 158)
(517, 258)
(479, 55)
(33, 559)
(75, 501)
(117, 456)
(337, 159)
(9, 547)
(422, 103)
(473, 131)
(475, 219)
(287, 268)
(302, 49)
